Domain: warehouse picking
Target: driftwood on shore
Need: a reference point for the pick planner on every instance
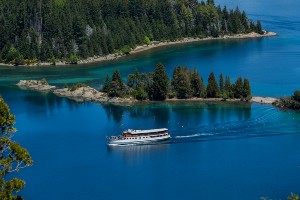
(86, 93)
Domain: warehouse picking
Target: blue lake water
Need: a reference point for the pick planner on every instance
(217, 150)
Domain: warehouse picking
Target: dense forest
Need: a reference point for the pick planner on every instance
(184, 84)
(46, 30)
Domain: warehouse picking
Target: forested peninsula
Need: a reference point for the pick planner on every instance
(155, 86)
(36, 31)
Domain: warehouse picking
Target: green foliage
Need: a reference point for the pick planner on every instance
(43, 81)
(116, 88)
(77, 86)
(73, 59)
(126, 49)
(259, 28)
(53, 60)
(246, 88)
(198, 86)
(106, 84)
(184, 84)
(239, 88)
(296, 96)
(12, 156)
(19, 60)
(228, 88)
(66, 86)
(221, 83)
(147, 40)
(60, 28)
(12, 54)
(160, 84)
(141, 94)
(292, 102)
(212, 87)
(293, 197)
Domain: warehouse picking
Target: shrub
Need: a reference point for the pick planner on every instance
(296, 96)
(73, 59)
(44, 81)
(126, 49)
(76, 86)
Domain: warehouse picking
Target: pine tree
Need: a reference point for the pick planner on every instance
(116, 86)
(106, 84)
(212, 90)
(228, 88)
(239, 88)
(197, 84)
(160, 83)
(221, 84)
(184, 90)
(259, 28)
(247, 88)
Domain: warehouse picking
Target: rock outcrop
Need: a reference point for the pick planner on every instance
(40, 85)
(86, 93)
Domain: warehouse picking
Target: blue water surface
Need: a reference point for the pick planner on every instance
(217, 150)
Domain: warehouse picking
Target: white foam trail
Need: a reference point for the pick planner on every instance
(194, 135)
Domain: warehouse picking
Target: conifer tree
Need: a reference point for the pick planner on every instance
(247, 88)
(228, 87)
(116, 86)
(239, 88)
(221, 84)
(197, 84)
(183, 85)
(212, 90)
(160, 83)
(106, 84)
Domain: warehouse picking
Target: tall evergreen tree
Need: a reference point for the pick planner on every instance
(160, 83)
(228, 88)
(116, 85)
(197, 84)
(106, 84)
(239, 88)
(246, 88)
(221, 84)
(212, 90)
(183, 83)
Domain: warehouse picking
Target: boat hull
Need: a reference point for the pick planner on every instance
(138, 141)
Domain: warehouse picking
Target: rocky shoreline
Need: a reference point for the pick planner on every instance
(154, 44)
(40, 85)
(85, 93)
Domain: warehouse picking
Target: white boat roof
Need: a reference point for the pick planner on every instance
(146, 131)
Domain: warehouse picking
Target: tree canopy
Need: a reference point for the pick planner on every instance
(32, 30)
(13, 157)
(184, 84)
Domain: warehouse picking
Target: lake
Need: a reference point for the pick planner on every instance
(217, 150)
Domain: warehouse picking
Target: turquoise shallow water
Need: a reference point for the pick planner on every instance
(217, 150)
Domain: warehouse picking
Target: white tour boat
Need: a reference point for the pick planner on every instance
(139, 137)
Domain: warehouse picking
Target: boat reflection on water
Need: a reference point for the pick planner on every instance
(139, 150)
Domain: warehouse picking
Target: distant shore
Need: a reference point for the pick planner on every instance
(88, 94)
(154, 44)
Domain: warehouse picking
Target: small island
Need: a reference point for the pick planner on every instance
(185, 85)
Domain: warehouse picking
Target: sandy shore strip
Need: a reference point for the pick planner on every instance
(154, 44)
(264, 100)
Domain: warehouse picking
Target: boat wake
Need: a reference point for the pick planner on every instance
(267, 123)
